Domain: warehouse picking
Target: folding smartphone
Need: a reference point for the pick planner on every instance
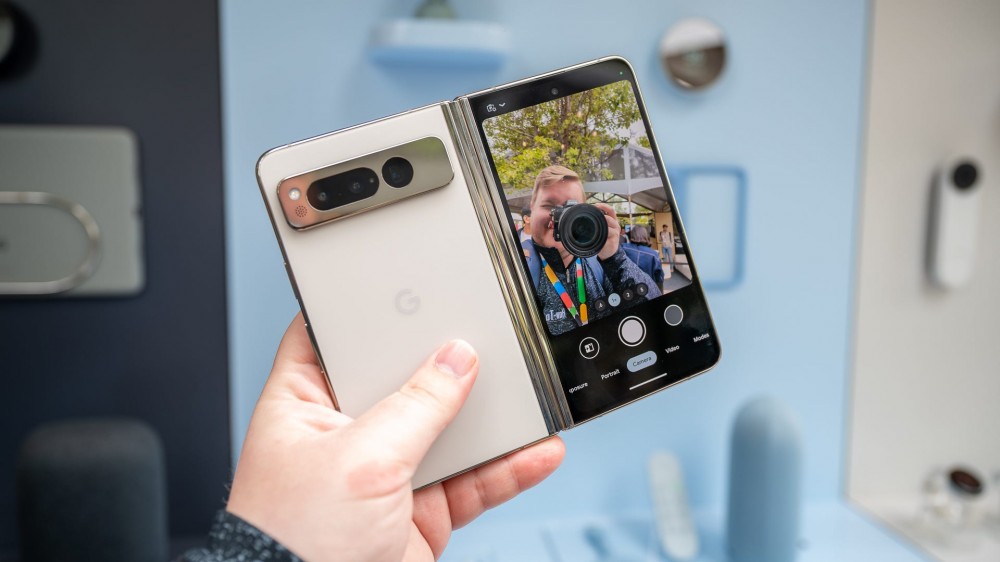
(496, 218)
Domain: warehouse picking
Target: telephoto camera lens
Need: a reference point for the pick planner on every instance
(581, 227)
(397, 172)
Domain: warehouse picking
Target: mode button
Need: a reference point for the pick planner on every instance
(641, 361)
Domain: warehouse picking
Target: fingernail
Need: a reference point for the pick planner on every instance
(456, 358)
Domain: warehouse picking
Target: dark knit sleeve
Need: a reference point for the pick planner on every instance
(621, 273)
(233, 539)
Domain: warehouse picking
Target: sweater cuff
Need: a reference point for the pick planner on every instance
(615, 262)
(233, 539)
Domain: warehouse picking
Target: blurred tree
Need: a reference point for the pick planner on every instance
(580, 132)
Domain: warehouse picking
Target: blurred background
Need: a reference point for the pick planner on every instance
(814, 148)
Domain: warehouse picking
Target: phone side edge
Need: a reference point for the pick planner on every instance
(288, 269)
(655, 146)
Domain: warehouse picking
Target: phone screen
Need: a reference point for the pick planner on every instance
(591, 207)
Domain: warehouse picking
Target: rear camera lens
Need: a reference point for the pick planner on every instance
(397, 172)
(342, 189)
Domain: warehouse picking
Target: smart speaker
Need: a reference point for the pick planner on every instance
(92, 489)
(764, 484)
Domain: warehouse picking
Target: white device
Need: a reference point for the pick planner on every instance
(674, 524)
(375, 320)
(396, 239)
(954, 223)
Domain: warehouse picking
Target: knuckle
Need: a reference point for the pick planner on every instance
(482, 493)
(425, 399)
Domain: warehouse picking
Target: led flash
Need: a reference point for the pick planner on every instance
(294, 194)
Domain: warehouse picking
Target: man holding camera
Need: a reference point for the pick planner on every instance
(574, 257)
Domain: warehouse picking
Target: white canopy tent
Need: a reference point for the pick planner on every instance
(635, 178)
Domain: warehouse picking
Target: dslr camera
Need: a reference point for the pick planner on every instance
(580, 227)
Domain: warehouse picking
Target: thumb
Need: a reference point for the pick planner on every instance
(403, 426)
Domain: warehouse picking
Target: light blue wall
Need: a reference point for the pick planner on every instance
(788, 111)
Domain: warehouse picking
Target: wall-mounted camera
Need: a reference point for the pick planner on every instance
(693, 53)
(954, 222)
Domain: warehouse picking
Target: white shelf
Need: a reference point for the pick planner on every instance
(432, 42)
(982, 545)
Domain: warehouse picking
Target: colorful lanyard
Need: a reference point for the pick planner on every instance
(567, 301)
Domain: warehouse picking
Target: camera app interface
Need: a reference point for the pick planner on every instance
(598, 231)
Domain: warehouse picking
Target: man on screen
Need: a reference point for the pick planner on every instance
(554, 269)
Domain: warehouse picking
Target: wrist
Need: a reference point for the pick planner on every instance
(613, 258)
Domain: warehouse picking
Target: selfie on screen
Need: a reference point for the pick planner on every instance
(589, 205)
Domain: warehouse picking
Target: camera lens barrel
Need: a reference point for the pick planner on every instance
(397, 172)
(581, 228)
(342, 189)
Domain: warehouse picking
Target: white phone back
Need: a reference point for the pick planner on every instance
(426, 253)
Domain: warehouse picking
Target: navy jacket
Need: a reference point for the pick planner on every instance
(601, 278)
(647, 259)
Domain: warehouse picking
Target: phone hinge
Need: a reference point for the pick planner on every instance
(504, 253)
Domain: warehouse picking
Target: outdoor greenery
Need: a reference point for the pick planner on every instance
(580, 132)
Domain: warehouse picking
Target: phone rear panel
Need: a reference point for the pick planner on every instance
(384, 288)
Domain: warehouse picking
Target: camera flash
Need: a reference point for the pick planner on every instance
(294, 194)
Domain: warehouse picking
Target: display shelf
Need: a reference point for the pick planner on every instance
(831, 532)
(434, 42)
(900, 514)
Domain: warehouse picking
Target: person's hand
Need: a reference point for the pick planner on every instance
(614, 231)
(331, 488)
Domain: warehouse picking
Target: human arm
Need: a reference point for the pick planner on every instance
(328, 487)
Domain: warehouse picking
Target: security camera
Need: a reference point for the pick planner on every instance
(954, 222)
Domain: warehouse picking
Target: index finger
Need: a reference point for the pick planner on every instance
(607, 209)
